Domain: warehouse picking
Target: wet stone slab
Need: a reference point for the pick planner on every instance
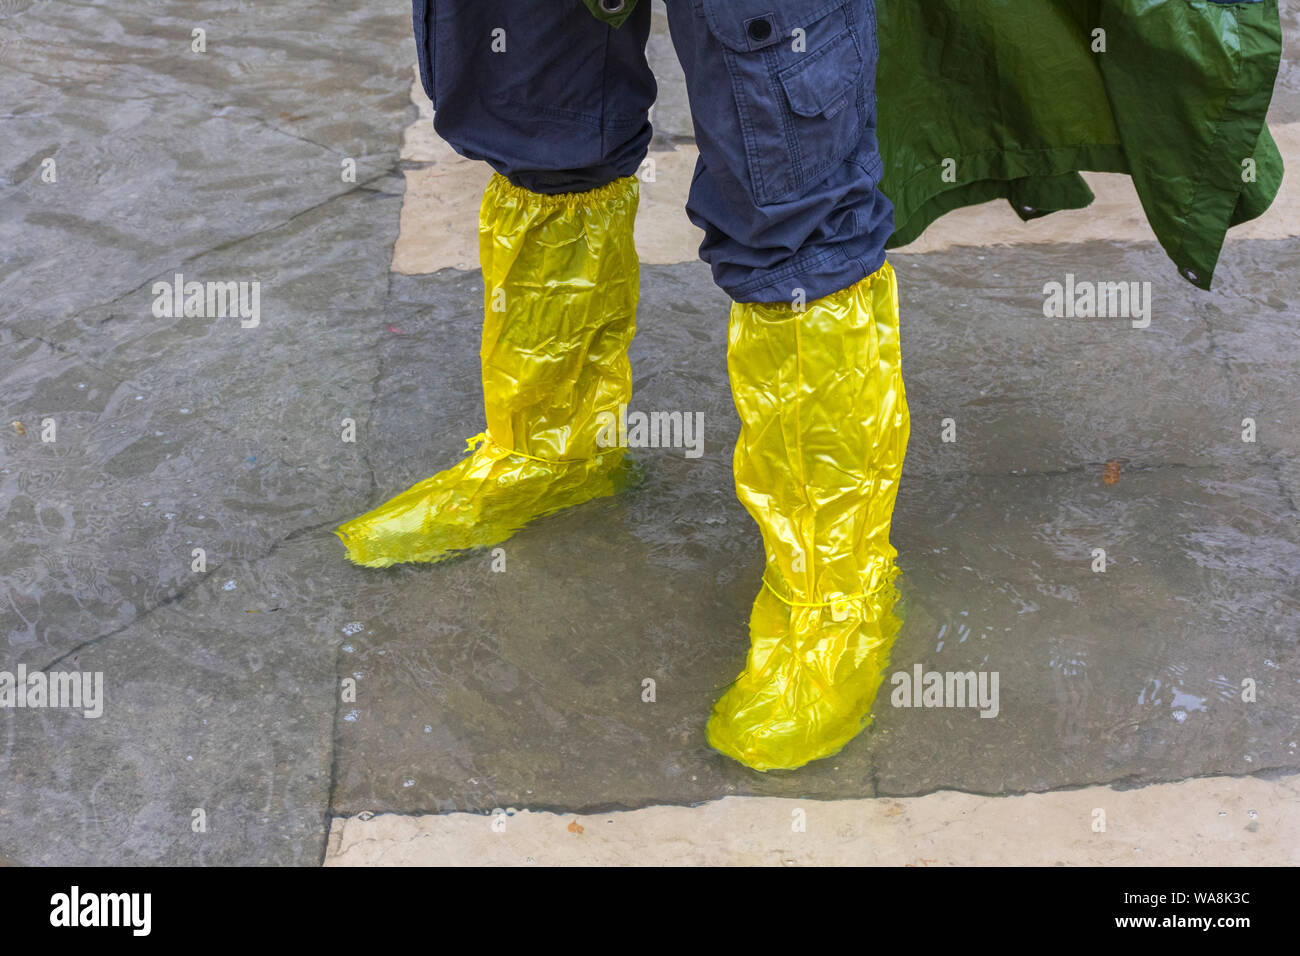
(178, 433)
(162, 152)
(523, 687)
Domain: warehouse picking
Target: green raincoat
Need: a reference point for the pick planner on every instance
(986, 99)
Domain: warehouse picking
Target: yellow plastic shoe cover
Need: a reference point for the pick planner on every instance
(824, 428)
(560, 286)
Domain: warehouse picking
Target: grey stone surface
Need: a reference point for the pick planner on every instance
(672, 113)
(180, 433)
(1286, 94)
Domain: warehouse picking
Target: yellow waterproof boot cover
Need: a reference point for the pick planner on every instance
(824, 428)
(560, 277)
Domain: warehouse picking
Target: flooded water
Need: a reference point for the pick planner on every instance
(168, 489)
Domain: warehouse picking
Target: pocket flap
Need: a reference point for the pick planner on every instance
(730, 20)
(825, 80)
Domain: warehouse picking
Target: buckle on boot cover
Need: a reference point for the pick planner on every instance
(491, 450)
(839, 605)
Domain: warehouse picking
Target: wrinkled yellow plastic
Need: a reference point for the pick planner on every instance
(560, 287)
(824, 427)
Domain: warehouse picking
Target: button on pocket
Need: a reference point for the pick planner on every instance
(802, 74)
(759, 29)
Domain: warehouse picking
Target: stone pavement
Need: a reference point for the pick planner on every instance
(293, 152)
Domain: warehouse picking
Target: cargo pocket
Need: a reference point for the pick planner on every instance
(802, 76)
(422, 15)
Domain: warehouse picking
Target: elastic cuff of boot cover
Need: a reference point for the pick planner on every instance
(622, 188)
(780, 311)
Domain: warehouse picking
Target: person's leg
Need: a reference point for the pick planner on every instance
(557, 103)
(795, 225)
(552, 98)
(824, 428)
(786, 188)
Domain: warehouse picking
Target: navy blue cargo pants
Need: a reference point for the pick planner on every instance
(782, 94)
